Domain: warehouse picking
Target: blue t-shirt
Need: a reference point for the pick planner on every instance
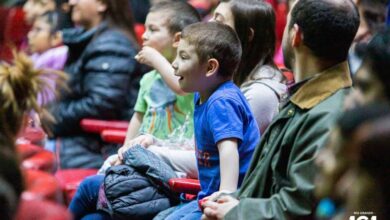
(226, 114)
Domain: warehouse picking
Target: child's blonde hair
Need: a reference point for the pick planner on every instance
(20, 84)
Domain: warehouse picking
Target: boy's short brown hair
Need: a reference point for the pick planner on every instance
(215, 40)
(180, 14)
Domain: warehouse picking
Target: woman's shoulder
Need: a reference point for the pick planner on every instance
(112, 34)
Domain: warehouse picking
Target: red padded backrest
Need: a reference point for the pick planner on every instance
(113, 136)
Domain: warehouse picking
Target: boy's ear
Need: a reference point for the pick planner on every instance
(176, 39)
(212, 67)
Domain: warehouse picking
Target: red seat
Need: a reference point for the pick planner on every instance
(183, 185)
(70, 180)
(34, 135)
(97, 126)
(43, 160)
(27, 150)
(41, 210)
(114, 136)
(41, 186)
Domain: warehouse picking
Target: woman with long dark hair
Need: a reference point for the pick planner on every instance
(257, 75)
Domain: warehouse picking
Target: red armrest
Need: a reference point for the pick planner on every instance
(44, 161)
(114, 136)
(97, 126)
(27, 150)
(182, 185)
(70, 180)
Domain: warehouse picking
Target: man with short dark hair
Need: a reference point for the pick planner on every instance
(279, 183)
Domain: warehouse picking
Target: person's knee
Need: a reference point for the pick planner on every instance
(91, 182)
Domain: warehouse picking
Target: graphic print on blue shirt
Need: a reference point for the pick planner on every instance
(226, 114)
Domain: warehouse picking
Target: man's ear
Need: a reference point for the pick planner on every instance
(212, 67)
(176, 39)
(297, 37)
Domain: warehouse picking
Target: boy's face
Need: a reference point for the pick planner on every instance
(157, 34)
(190, 70)
(34, 8)
(39, 37)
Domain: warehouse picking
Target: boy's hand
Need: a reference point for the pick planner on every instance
(149, 56)
(112, 160)
(144, 140)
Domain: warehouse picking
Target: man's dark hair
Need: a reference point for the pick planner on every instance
(377, 54)
(181, 14)
(328, 27)
(218, 41)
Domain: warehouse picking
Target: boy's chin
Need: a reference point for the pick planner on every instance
(185, 88)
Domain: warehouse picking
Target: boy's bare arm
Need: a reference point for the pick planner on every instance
(134, 126)
(132, 132)
(229, 164)
(153, 58)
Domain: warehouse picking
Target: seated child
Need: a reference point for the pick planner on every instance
(44, 41)
(226, 132)
(158, 110)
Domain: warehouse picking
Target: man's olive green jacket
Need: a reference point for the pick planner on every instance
(279, 183)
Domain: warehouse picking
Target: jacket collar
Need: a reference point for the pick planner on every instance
(322, 85)
(79, 36)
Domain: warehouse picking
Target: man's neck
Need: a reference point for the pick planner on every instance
(308, 66)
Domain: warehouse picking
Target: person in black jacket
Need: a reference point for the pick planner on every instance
(103, 83)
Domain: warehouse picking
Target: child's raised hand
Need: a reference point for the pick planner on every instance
(149, 56)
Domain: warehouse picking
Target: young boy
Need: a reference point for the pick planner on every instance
(226, 133)
(158, 110)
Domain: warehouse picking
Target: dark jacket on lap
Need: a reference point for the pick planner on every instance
(139, 189)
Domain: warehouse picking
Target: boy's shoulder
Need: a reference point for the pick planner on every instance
(150, 76)
(227, 92)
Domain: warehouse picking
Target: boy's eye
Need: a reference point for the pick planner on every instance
(152, 29)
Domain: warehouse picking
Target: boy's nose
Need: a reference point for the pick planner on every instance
(144, 36)
(174, 65)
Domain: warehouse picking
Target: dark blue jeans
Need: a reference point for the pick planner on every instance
(83, 204)
(188, 211)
